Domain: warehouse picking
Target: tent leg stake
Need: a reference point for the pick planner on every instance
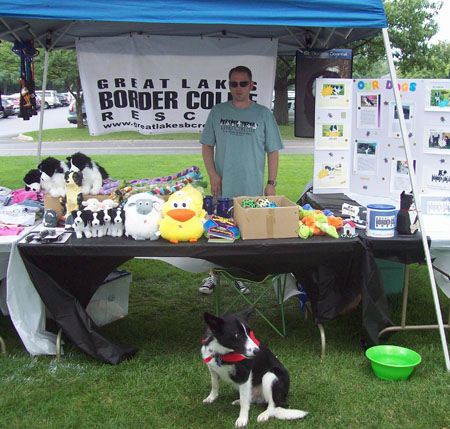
(323, 340)
(58, 344)
(2, 346)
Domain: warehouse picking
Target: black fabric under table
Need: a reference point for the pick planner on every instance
(332, 271)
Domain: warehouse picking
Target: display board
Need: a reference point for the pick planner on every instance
(358, 142)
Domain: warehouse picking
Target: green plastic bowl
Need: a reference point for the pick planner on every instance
(392, 362)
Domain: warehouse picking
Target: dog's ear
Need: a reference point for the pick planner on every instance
(215, 323)
(246, 313)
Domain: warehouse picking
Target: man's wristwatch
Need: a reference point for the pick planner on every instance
(272, 182)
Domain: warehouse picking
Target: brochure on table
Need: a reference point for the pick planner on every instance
(359, 148)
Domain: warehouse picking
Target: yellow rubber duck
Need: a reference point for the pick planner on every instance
(183, 216)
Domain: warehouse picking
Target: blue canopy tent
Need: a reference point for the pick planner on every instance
(297, 24)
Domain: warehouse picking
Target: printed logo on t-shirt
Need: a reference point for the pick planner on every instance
(232, 126)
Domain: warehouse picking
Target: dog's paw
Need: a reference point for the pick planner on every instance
(241, 422)
(210, 399)
(264, 416)
(236, 402)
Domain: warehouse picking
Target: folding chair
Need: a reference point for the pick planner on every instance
(264, 285)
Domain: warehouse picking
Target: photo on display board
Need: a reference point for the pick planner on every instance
(369, 111)
(365, 158)
(394, 122)
(437, 97)
(400, 180)
(333, 94)
(332, 135)
(331, 175)
(437, 140)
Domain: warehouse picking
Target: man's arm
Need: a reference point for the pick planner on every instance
(272, 164)
(214, 179)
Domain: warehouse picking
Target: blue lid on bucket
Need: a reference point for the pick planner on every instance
(381, 207)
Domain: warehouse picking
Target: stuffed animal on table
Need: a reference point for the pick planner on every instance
(73, 198)
(142, 215)
(183, 216)
(93, 173)
(117, 223)
(407, 219)
(81, 223)
(92, 204)
(52, 176)
(33, 180)
(317, 223)
(97, 224)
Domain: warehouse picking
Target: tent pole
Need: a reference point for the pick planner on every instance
(41, 115)
(417, 200)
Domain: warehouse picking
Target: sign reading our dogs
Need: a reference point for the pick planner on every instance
(166, 84)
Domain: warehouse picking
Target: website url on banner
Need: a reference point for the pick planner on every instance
(153, 126)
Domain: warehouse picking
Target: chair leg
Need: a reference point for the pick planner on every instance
(58, 344)
(2, 346)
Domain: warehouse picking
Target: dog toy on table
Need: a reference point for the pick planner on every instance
(183, 216)
(73, 198)
(221, 227)
(315, 222)
(142, 215)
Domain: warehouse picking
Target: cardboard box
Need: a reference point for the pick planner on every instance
(271, 222)
(53, 203)
(110, 300)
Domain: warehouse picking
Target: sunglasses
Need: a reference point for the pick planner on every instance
(242, 84)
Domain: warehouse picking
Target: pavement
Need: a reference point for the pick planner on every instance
(19, 146)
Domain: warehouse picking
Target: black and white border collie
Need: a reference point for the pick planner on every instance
(232, 353)
(93, 174)
(52, 176)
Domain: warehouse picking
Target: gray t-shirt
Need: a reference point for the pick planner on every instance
(242, 137)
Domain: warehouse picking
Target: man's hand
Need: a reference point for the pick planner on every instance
(216, 184)
(270, 190)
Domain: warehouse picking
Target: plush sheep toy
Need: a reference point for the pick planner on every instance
(142, 215)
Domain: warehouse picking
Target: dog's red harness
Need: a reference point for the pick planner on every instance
(229, 357)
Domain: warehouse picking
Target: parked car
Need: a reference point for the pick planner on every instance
(7, 108)
(63, 99)
(51, 98)
(72, 117)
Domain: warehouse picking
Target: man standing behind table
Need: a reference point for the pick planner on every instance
(235, 140)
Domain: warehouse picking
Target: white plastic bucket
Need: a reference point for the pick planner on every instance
(381, 220)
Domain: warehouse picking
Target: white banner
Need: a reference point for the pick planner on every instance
(166, 84)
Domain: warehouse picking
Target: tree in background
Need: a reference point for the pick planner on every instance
(411, 25)
(9, 70)
(285, 77)
(63, 67)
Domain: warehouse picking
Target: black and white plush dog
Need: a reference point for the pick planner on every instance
(93, 174)
(52, 176)
(33, 180)
(233, 354)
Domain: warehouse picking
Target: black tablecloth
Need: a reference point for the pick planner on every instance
(332, 271)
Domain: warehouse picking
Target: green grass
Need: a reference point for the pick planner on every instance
(82, 134)
(164, 384)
